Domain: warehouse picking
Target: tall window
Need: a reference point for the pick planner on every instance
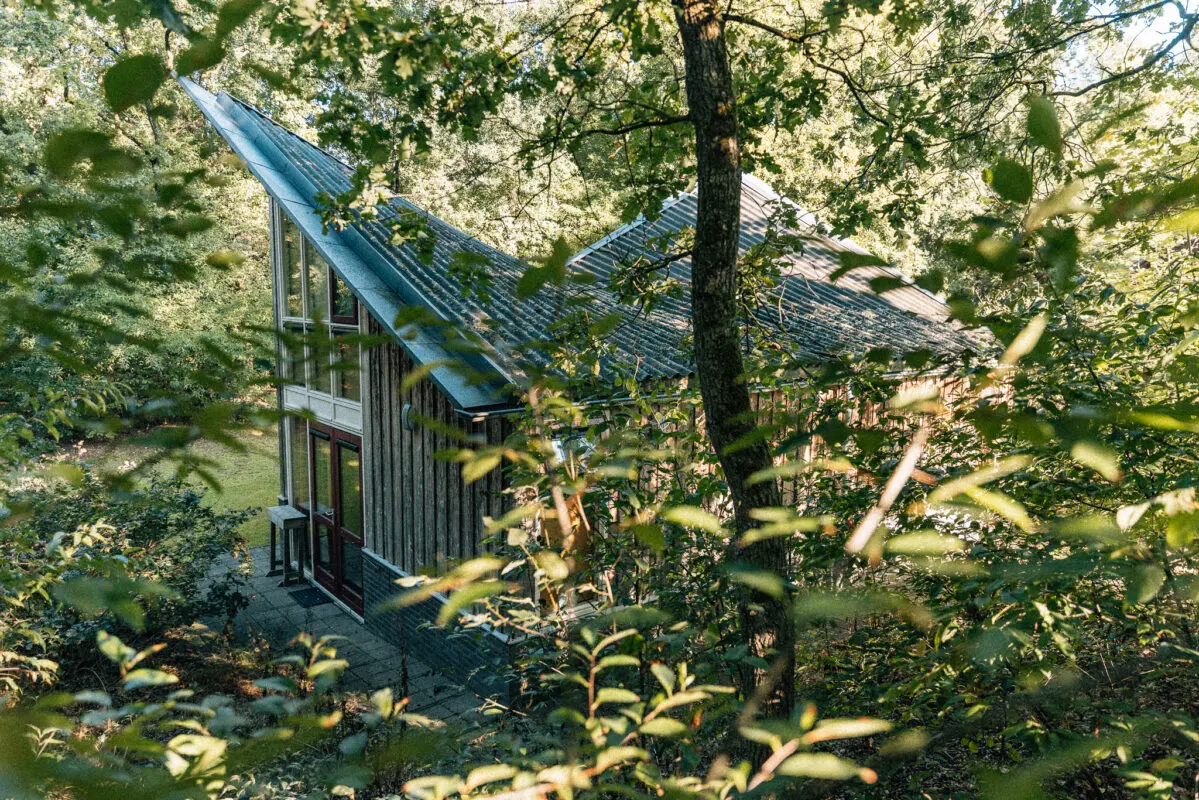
(320, 317)
(299, 463)
(292, 272)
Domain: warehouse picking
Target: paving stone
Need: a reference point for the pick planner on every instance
(374, 663)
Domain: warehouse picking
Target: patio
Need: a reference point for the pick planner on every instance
(276, 614)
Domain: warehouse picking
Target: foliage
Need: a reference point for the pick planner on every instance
(80, 560)
(1000, 577)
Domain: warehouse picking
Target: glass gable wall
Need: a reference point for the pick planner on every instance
(320, 317)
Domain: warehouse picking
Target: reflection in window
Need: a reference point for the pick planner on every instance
(345, 305)
(349, 471)
(293, 288)
(318, 360)
(318, 287)
(322, 477)
(348, 376)
(299, 463)
(351, 566)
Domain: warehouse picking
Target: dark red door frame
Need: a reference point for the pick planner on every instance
(333, 579)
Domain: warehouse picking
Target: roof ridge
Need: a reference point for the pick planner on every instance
(627, 228)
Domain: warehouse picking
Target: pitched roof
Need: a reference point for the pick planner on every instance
(815, 318)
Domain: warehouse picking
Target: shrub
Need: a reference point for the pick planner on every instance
(79, 558)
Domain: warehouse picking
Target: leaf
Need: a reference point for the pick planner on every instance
(479, 466)
(276, 683)
(924, 543)
(825, 766)
(851, 260)
(66, 149)
(202, 54)
(1011, 181)
(552, 269)
(1025, 341)
(763, 581)
(618, 755)
(1181, 530)
(830, 729)
(613, 694)
(468, 595)
(618, 660)
(1144, 583)
(692, 517)
(664, 674)
(488, 774)
(133, 80)
(1043, 125)
(114, 649)
(886, 283)
(663, 726)
(140, 678)
(1092, 454)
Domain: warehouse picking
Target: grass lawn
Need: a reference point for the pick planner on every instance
(248, 479)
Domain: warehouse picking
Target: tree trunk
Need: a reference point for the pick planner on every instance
(721, 371)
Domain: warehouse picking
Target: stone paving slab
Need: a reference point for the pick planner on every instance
(273, 615)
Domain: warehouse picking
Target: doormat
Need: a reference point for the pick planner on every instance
(309, 597)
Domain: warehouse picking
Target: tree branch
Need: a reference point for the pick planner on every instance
(1183, 36)
(794, 38)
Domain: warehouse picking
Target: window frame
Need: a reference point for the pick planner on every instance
(310, 321)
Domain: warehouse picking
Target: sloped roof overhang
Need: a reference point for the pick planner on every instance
(478, 386)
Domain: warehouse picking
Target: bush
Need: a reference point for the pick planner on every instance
(79, 558)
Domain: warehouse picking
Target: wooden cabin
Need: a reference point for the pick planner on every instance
(360, 464)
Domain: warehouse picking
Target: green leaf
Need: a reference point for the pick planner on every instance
(618, 660)
(663, 726)
(1092, 454)
(488, 774)
(1181, 530)
(113, 648)
(479, 466)
(66, 149)
(924, 543)
(692, 517)
(276, 683)
(203, 53)
(1144, 583)
(148, 677)
(612, 756)
(1043, 125)
(133, 80)
(1011, 181)
(830, 729)
(825, 766)
(613, 694)
(664, 674)
(764, 581)
(468, 595)
(851, 260)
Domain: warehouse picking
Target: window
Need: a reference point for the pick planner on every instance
(320, 315)
(299, 463)
(346, 370)
(342, 301)
(292, 272)
(318, 359)
(318, 284)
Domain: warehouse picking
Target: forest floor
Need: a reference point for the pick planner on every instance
(248, 479)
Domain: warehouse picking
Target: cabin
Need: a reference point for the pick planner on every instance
(359, 464)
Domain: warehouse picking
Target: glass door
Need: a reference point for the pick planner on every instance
(336, 512)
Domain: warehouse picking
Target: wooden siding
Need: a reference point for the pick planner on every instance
(419, 514)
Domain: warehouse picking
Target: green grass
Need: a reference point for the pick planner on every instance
(247, 479)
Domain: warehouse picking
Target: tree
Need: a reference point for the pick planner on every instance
(931, 85)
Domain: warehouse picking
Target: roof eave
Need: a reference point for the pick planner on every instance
(383, 301)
